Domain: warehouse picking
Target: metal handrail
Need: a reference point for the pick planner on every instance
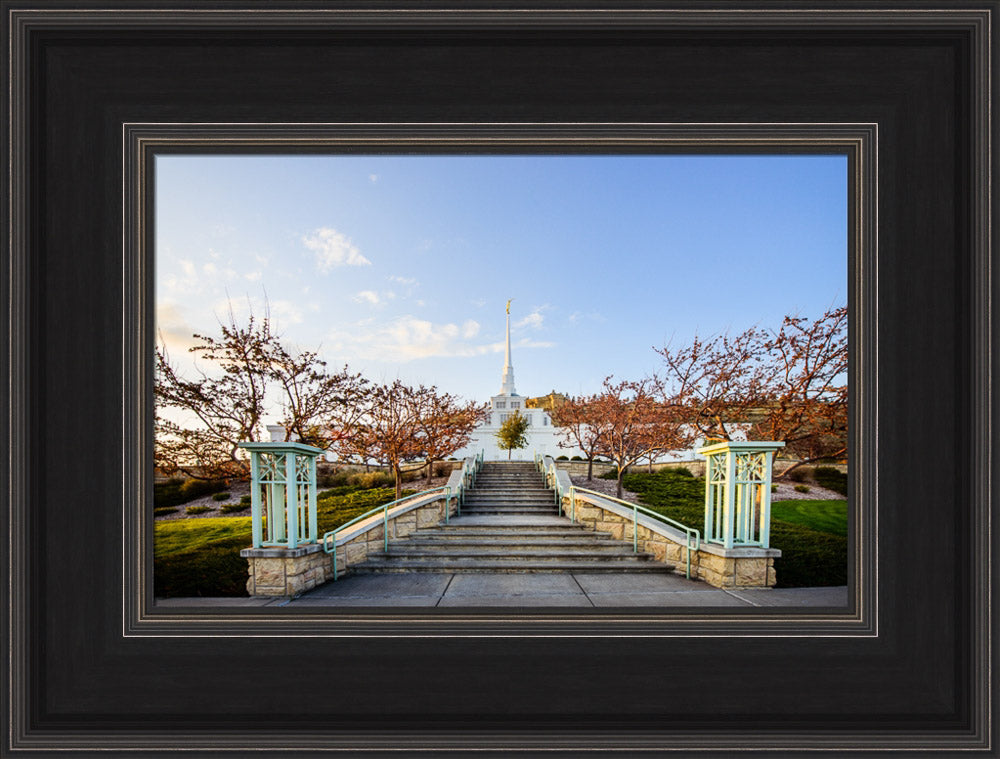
(330, 546)
(329, 540)
(550, 476)
(636, 508)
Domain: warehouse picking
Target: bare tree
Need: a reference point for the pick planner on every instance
(444, 423)
(315, 403)
(226, 406)
(807, 407)
(719, 380)
(581, 427)
(637, 424)
(385, 429)
(789, 385)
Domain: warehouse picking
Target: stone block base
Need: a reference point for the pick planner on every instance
(721, 568)
(286, 571)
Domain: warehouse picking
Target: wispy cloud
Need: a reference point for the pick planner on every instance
(578, 316)
(372, 297)
(283, 313)
(172, 329)
(534, 320)
(406, 281)
(409, 338)
(373, 178)
(333, 249)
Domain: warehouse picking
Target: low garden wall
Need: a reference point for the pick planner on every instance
(718, 566)
(579, 468)
(292, 571)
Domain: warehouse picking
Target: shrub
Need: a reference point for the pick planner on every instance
(163, 511)
(367, 480)
(801, 488)
(443, 470)
(221, 497)
(230, 508)
(197, 509)
(831, 478)
(168, 493)
(774, 488)
(682, 471)
(577, 458)
(561, 458)
(246, 500)
(332, 479)
(798, 475)
(196, 488)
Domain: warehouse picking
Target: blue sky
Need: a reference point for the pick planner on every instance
(400, 266)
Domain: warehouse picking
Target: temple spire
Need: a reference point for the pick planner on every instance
(507, 387)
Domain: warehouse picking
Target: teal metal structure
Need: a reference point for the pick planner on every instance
(470, 468)
(282, 493)
(738, 492)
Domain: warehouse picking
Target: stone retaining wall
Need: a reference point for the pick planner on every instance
(719, 567)
(579, 468)
(292, 571)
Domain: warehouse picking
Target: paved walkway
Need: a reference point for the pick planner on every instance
(534, 590)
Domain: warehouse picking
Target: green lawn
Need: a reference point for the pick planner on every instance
(182, 535)
(201, 557)
(812, 540)
(825, 516)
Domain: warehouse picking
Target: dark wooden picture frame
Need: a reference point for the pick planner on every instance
(93, 664)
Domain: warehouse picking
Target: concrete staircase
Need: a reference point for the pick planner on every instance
(510, 487)
(509, 524)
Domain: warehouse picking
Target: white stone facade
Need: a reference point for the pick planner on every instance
(543, 438)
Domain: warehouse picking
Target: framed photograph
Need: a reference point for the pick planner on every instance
(227, 132)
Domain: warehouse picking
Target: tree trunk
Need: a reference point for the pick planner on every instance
(430, 471)
(509, 450)
(399, 480)
(620, 473)
(650, 468)
(590, 469)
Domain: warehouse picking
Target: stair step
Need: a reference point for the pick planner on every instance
(610, 552)
(573, 532)
(502, 507)
(564, 541)
(508, 567)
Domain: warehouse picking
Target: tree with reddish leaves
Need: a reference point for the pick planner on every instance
(385, 429)
(223, 407)
(581, 426)
(444, 423)
(316, 404)
(636, 423)
(789, 385)
(807, 408)
(720, 381)
(201, 420)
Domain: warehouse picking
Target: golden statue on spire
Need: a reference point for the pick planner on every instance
(508, 306)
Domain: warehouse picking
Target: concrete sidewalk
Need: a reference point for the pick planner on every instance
(534, 590)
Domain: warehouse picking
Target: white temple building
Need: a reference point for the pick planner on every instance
(542, 437)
